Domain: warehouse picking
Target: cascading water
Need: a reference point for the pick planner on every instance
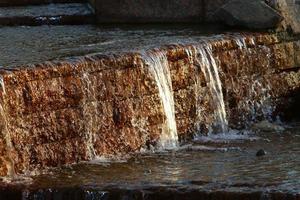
(197, 89)
(10, 164)
(90, 113)
(159, 67)
(258, 100)
(204, 58)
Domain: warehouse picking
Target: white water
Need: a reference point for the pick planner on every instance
(10, 164)
(262, 106)
(159, 67)
(197, 88)
(208, 65)
(230, 137)
(90, 115)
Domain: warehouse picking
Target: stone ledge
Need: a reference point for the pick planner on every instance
(54, 102)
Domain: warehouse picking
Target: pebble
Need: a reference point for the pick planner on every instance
(261, 152)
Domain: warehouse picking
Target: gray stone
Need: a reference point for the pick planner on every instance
(253, 14)
(261, 152)
(149, 11)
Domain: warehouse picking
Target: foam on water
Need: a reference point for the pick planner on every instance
(231, 136)
(208, 148)
(102, 160)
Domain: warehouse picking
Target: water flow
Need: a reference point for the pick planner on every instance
(158, 66)
(11, 174)
(208, 65)
(258, 100)
(90, 113)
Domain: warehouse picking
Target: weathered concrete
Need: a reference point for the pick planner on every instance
(56, 112)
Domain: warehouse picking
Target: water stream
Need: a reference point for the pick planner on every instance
(158, 65)
(211, 73)
(90, 113)
(5, 134)
(257, 101)
(205, 60)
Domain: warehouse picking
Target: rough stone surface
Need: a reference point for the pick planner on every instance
(290, 9)
(211, 7)
(64, 112)
(252, 14)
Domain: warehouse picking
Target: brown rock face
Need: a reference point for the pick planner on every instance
(57, 113)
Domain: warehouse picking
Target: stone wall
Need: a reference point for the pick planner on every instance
(63, 112)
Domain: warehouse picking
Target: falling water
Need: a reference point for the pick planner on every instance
(197, 89)
(262, 106)
(159, 68)
(90, 114)
(5, 132)
(208, 65)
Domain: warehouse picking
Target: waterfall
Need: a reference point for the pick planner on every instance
(204, 58)
(159, 68)
(197, 89)
(257, 107)
(90, 113)
(10, 164)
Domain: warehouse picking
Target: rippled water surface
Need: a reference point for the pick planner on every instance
(228, 162)
(46, 10)
(22, 45)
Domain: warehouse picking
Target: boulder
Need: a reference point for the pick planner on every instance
(252, 14)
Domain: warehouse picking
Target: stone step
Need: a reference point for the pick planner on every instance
(5, 3)
(48, 14)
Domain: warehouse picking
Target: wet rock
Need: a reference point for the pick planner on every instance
(252, 14)
(261, 152)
